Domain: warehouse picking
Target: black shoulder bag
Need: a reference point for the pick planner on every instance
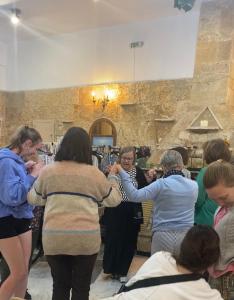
(153, 281)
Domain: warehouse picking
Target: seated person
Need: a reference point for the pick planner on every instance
(199, 250)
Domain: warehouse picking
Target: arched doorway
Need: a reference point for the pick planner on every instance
(103, 132)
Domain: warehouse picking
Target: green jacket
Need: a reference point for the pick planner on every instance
(205, 207)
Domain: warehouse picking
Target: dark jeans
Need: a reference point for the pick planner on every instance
(4, 270)
(71, 273)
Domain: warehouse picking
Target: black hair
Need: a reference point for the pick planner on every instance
(199, 249)
(75, 146)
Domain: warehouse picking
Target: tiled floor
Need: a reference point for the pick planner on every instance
(40, 282)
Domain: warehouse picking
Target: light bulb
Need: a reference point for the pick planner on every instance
(15, 20)
(15, 16)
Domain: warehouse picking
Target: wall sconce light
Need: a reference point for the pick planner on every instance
(104, 99)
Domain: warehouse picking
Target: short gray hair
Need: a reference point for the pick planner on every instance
(171, 159)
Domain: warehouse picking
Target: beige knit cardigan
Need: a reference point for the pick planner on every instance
(71, 193)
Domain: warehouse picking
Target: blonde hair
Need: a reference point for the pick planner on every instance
(23, 134)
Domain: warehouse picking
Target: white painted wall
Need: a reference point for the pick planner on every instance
(104, 55)
(3, 66)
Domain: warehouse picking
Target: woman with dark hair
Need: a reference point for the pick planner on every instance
(219, 184)
(122, 223)
(71, 190)
(199, 250)
(205, 207)
(15, 213)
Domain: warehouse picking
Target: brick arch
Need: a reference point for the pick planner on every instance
(96, 124)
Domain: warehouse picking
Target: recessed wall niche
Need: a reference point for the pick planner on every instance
(103, 132)
(205, 121)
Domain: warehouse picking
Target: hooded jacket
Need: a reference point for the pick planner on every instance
(14, 186)
(163, 264)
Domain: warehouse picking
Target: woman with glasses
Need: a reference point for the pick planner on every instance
(122, 223)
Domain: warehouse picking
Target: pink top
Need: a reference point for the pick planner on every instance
(222, 211)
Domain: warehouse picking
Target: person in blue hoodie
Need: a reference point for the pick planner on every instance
(17, 177)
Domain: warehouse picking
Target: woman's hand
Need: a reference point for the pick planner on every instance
(115, 169)
(150, 175)
(29, 165)
(36, 169)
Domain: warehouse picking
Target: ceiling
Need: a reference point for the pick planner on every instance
(46, 17)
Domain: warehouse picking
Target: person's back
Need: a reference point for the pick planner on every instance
(71, 190)
(174, 203)
(163, 264)
(205, 207)
(199, 250)
(74, 191)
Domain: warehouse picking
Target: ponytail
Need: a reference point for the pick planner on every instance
(23, 134)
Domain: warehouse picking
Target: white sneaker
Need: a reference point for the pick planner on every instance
(123, 279)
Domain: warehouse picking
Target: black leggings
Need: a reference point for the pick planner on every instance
(71, 273)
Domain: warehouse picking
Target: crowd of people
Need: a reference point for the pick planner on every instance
(196, 259)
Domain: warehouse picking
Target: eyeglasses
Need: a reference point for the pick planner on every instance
(127, 158)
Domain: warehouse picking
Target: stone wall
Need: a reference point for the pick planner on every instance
(161, 112)
(135, 124)
(212, 75)
(24, 107)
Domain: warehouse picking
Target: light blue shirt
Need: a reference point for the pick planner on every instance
(174, 200)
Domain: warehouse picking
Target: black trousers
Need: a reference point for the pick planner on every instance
(120, 239)
(71, 274)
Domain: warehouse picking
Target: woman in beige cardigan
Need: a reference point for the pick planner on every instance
(72, 190)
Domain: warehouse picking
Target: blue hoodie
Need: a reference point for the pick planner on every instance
(14, 186)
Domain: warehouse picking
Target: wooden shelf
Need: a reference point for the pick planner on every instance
(127, 104)
(164, 120)
(203, 129)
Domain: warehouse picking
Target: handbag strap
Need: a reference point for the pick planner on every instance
(161, 280)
